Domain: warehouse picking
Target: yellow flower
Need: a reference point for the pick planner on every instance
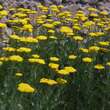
(47, 25)
(54, 59)
(24, 49)
(35, 60)
(28, 27)
(94, 15)
(66, 70)
(56, 23)
(77, 27)
(60, 6)
(2, 25)
(41, 37)
(40, 61)
(70, 69)
(1, 6)
(52, 37)
(9, 49)
(84, 50)
(14, 37)
(19, 74)
(99, 67)
(1, 63)
(88, 24)
(108, 63)
(3, 59)
(78, 38)
(40, 21)
(48, 81)
(92, 9)
(26, 88)
(28, 40)
(3, 13)
(51, 31)
(16, 58)
(72, 56)
(92, 34)
(63, 72)
(66, 29)
(104, 43)
(61, 81)
(87, 60)
(36, 56)
(104, 13)
(94, 48)
(54, 65)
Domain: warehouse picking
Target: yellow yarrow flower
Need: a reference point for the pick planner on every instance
(47, 25)
(41, 37)
(54, 59)
(19, 74)
(87, 60)
(54, 66)
(35, 60)
(70, 69)
(66, 29)
(78, 38)
(15, 58)
(104, 43)
(94, 49)
(24, 49)
(25, 87)
(48, 81)
(85, 50)
(2, 25)
(1, 63)
(108, 63)
(72, 57)
(61, 81)
(63, 72)
(28, 27)
(9, 49)
(36, 56)
(66, 70)
(99, 67)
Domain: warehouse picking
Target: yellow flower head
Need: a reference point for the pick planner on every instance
(1, 63)
(66, 29)
(72, 57)
(94, 48)
(104, 43)
(108, 63)
(9, 49)
(61, 81)
(26, 88)
(36, 60)
(19, 74)
(70, 69)
(41, 37)
(63, 72)
(24, 49)
(99, 67)
(15, 58)
(36, 56)
(87, 60)
(48, 81)
(54, 65)
(78, 38)
(47, 25)
(2, 25)
(85, 50)
(54, 59)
